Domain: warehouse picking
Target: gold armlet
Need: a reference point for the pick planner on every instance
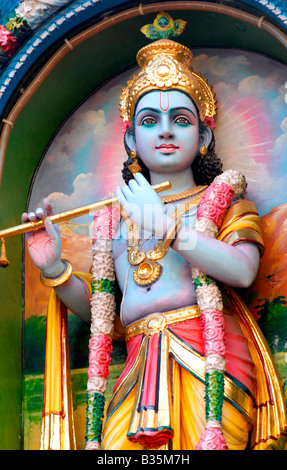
(58, 281)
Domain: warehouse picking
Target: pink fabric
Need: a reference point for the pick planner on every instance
(239, 363)
(149, 386)
(152, 439)
(148, 397)
(133, 346)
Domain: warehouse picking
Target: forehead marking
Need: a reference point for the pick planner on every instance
(164, 101)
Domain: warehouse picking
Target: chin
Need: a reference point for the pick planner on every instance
(165, 169)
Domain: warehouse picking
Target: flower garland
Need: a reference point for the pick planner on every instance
(227, 187)
(102, 323)
(21, 22)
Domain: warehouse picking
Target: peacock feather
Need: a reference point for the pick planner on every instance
(163, 27)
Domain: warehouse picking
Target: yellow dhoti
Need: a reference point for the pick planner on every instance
(161, 396)
(254, 413)
(188, 417)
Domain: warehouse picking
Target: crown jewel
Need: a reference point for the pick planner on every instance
(166, 64)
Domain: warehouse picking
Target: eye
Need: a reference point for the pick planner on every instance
(182, 120)
(148, 121)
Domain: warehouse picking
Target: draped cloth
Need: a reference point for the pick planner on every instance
(241, 224)
(58, 431)
(253, 397)
(270, 416)
(159, 400)
(149, 409)
(160, 369)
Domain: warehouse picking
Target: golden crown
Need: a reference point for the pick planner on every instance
(165, 65)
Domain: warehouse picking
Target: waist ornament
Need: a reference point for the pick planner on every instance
(156, 322)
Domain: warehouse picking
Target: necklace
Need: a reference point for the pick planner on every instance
(149, 270)
(183, 195)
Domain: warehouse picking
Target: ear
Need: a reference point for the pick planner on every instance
(205, 136)
(130, 140)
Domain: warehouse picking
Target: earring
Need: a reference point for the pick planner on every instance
(203, 151)
(134, 167)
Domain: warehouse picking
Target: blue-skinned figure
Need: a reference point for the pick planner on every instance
(160, 400)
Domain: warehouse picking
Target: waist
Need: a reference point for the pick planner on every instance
(156, 322)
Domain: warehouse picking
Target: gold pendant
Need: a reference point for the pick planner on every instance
(147, 273)
(149, 270)
(135, 255)
(158, 252)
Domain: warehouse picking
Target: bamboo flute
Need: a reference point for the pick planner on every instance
(71, 214)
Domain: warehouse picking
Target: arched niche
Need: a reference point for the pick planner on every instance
(83, 164)
(54, 83)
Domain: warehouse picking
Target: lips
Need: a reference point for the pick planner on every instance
(167, 147)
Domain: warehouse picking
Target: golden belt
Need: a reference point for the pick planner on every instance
(156, 322)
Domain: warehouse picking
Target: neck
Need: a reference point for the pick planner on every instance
(181, 181)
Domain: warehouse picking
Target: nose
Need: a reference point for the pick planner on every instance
(166, 130)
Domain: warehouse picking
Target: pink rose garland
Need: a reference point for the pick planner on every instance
(105, 223)
(216, 200)
(213, 440)
(213, 325)
(212, 209)
(102, 322)
(100, 347)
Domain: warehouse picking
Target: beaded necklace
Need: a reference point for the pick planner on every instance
(183, 195)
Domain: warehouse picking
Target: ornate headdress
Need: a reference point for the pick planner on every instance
(166, 64)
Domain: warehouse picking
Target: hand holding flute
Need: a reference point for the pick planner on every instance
(43, 235)
(45, 245)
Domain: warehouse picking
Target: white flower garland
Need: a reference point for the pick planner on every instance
(225, 188)
(103, 313)
(218, 197)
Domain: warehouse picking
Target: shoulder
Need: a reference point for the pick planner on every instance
(242, 224)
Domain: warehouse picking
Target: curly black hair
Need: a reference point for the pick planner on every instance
(204, 169)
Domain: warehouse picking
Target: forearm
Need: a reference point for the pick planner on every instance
(75, 295)
(233, 265)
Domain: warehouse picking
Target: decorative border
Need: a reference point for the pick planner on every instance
(44, 37)
(273, 9)
(72, 16)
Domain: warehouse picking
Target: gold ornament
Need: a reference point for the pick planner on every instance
(183, 195)
(58, 281)
(149, 270)
(156, 322)
(134, 167)
(203, 151)
(166, 65)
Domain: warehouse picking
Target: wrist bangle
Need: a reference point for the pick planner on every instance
(58, 281)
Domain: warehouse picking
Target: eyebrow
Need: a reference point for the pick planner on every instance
(171, 110)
